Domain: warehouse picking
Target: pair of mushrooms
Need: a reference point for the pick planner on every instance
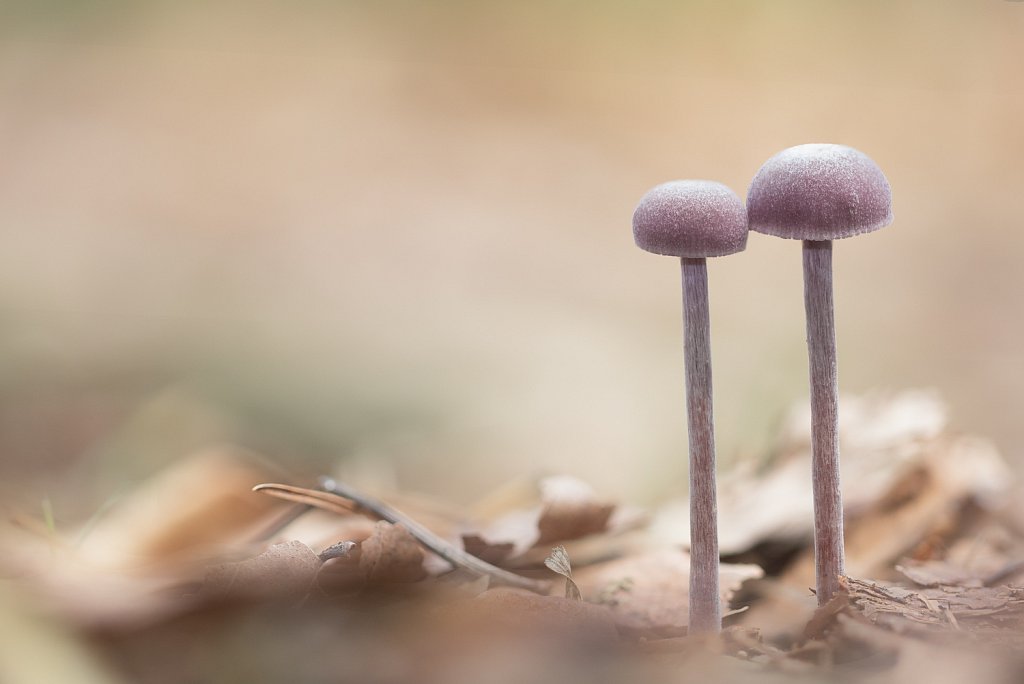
(813, 193)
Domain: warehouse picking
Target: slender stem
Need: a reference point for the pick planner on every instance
(821, 350)
(705, 610)
(431, 541)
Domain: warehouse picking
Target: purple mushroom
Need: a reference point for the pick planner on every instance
(820, 193)
(695, 219)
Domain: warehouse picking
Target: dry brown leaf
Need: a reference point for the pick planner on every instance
(522, 612)
(387, 557)
(919, 661)
(343, 573)
(571, 510)
(650, 593)
(197, 507)
(391, 556)
(908, 489)
(320, 529)
(938, 573)
(885, 439)
(285, 570)
(476, 545)
(567, 509)
(927, 499)
(79, 593)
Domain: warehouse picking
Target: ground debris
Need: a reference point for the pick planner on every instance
(929, 519)
(990, 615)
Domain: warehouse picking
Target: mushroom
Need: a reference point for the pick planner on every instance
(821, 193)
(693, 220)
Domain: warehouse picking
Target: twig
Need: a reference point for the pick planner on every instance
(340, 498)
(434, 543)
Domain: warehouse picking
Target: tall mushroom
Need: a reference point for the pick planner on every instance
(695, 219)
(821, 193)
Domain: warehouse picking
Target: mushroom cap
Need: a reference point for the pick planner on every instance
(819, 192)
(690, 218)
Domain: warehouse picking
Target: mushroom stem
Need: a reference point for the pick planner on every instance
(705, 611)
(821, 350)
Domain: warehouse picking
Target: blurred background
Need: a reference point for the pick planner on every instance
(398, 233)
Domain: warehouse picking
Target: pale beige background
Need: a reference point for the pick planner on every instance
(399, 231)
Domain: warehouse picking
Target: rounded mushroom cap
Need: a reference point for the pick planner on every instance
(819, 192)
(690, 218)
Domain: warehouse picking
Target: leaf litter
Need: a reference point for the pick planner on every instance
(550, 577)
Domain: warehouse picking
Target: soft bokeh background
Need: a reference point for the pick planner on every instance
(398, 232)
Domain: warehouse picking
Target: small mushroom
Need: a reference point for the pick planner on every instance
(821, 193)
(695, 219)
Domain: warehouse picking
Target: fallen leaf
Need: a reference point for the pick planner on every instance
(885, 439)
(650, 593)
(285, 570)
(477, 546)
(391, 556)
(567, 509)
(199, 506)
(516, 611)
(571, 510)
(938, 573)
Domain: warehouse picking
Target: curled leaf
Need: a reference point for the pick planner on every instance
(558, 562)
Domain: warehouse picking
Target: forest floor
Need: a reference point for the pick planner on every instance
(216, 570)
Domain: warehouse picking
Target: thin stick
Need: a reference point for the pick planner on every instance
(340, 498)
(821, 350)
(431, 541)
(705, 608)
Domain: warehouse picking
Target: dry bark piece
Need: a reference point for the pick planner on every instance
(817, 194)
(695, 220)
(983, 616)
(286, 570)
